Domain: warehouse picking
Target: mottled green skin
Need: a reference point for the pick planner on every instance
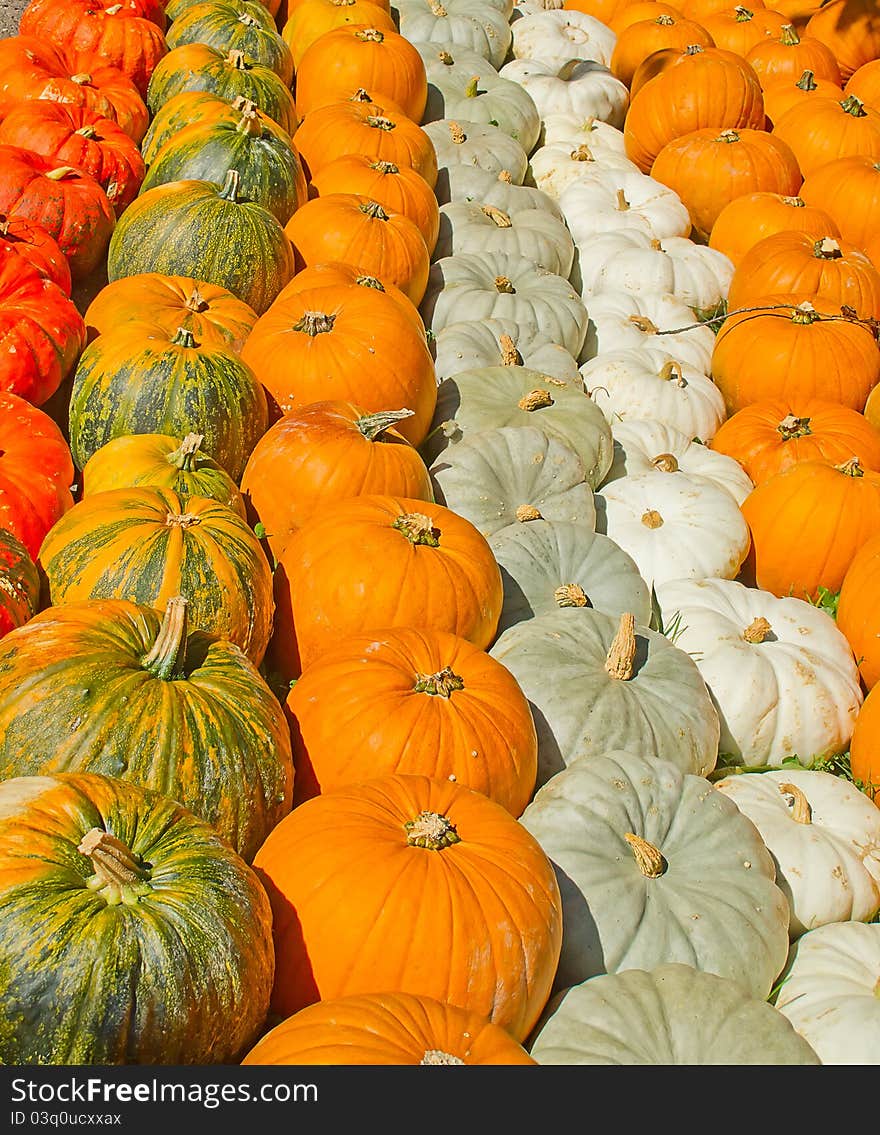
(155, 386)
(186, 228)
(174, 9)
(220, 25)
(183, 976)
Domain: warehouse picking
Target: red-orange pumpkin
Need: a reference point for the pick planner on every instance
(36, 248)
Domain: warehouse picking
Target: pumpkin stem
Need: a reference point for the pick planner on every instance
(81, 78)
(671, 372)
(648, 858)
(801, 811)
(456, 134)
(526, 512)
(535, 400)
(183, 338)
(249, 124)
(728, 137)
(827, 249)
(385, 167)
(61, 172)
(431, 830)
(571, 595)
(435, 1056)
(794, 202)
(248, 21)
(789, 36)
(500, 218)
(315, 323)
(87, 132)
(238, 60)
(229, 189)
(807, 82)
(369, 35)
(164, 660)
(791, 427)
(743, 14)
(757, 630)
(804, 314)
(379, 122)
(693, 49)
(374, 211)
(665, 21)
(438, 10)
(503, 284)
(471, 90)
(652, 519)
(360, 95)
(196, 301)
(506, 177)
(370, 282)
(444, 683)
(583, 153)
(242, 102)
(182, 520)
(666, 463)
(851, 468)
(445, 58)
(418, 529)
(372, 425)
(621, 655)
(510, 356)
(184, 456)
(643, 324)
(120, 876)
(567, 70)
(854, 106)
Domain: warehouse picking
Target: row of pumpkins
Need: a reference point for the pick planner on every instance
(416, 636)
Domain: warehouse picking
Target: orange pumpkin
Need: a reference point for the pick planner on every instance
(382, 561)
(292, 6)
(344, 343)
(357, 230)
(413, 700)
(602, 10)
(313, 18)
(747, 219)
(335, 272)
(848, 190)
(823, 129)
(791, 348)
(700, 10)
(739, 29)
(790, 54)
(361, 55)
(417, 885)
(638, 10)
(771, 435)
(828, 269)
(324, 452)
(858, 610)
(865, 84)
(864, 749)
(653, 65)
(708, 169)
(702, 88)
(639, 40)
(808, 523)
(850, 29)
(781, 96)
(386, 1028)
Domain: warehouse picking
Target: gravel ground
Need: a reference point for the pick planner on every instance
(9, 15)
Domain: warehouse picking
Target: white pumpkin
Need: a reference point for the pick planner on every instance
(782, 675)
(622, 201)
(580, 87)
(825, 837)
(829, 992)
(674, 527)
(485, 96)
(643, 445)
(567, 129)
(472, 226)
(559, 35)
(556, 166)
(470, 24)
(619, 320)
(649, 382)
(500, 342)
(479, 145)
(528, 7)
(468, 183)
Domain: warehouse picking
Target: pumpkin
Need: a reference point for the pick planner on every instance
(386, 1028)
(77, 136)
(313, 18)
(559, 35)
(620, 320)
(831, 270)
(617, 201)
(220, 25)
(790, 54)
(41, 329)
(36, 472)
(705, 89)
(851, 30)
(828, 990)
(808, 523)
(739, 28)
(825, 837)
(672, 1014)
(480, 145)
(848, 189)
(578, 86)
(863, 83)
(36, 10)
(636, 10)
(140, 378)
(147, 545)
(482, 94)
(805, 351)
(162, 462)
(36, 248)
(513, 474)
(655, 866)
(480, 28)
(66, 201)
(331, 273)
(533, 234)
(783, 94)
(147, 666)
(263, 13)
(433, 844)
(781, 674)
(709, 169)
(468, 183)
(636, 690)
(326, 451)
(773, 434)
(442, 570)
(640, 39)
(829, 128)
(157, 936)
(206, 231)
(191, 107)
(19, 584)
(864, 765)
(747, 219)
(471, 345)
(212, 313)
(345, 343)
(856, 610)
(417, 700)
(555, 166)
(384, 62)
(268, 166)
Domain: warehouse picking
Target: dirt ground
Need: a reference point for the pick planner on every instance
(10, 10)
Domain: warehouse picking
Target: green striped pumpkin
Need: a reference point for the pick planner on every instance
(220, 25)
(190, 107)
(111, 687)
(269, 168)
(148, 545)
(199, 67)
(130, 932)
(141, 379)
(206, 231)
(175, 9)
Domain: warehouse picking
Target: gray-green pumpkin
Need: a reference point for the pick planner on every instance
(486, 96)
(472, 344)
(478, 145)
(470, 183)
(472, 26)
(478, 226)
(657, 866)
(671, 1015)
(222, 25)
(596, 683)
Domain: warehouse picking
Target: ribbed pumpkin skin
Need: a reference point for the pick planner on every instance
(19, 584)
(269, 168)
(848, 189)
(825, 129)
(386, 1028)
(213, 314)
(476, 730)
(857, 612)
(36, 248)
(160, 461)
(313, 18)
(148, 545)
(190, 107)
(140, 379)
(782, 95)
(181, 976)
(333, 272)
(219, 25)
(212, 735)
(349, 912)
(200, 229)
(748, 219)
(865, 746)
